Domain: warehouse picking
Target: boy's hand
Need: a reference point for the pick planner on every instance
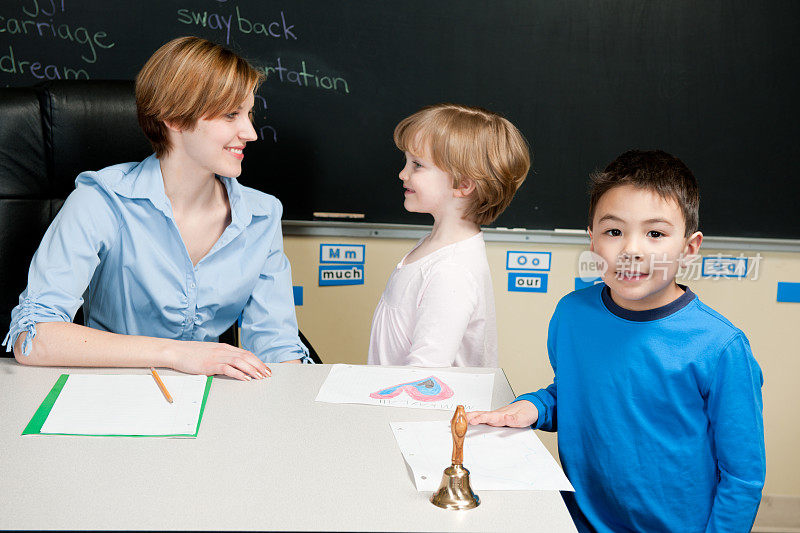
(516, 415)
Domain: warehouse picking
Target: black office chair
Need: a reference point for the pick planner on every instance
(49, 134)
(312, 353)
(231, 336)
(25, 201)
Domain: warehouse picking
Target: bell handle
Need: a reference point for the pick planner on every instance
(458, 427)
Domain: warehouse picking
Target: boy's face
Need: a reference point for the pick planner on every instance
(428, 189)
(641, 238)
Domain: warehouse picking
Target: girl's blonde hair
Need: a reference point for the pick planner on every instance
(474, 144)
(187, 79)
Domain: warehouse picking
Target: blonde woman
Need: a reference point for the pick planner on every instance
(165, 254)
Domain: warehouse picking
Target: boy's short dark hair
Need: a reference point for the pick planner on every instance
(656, 170)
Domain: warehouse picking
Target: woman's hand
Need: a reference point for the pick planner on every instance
(210, 358)
(516, 415)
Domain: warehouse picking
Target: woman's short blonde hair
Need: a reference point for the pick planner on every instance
(473, 144)
(187, 79)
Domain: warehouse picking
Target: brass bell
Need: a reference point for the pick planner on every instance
(455, 491)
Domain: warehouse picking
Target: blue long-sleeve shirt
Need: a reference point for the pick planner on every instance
(658, 413)
(115, 248)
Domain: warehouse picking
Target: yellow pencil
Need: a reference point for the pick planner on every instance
(161, 384)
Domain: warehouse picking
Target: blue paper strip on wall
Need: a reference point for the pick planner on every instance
(788, 292)
(297, 292)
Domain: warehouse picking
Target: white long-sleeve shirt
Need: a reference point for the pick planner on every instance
(438, 311)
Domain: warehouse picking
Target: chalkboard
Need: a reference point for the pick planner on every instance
(715, 83)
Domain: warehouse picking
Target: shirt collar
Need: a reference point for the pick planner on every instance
(650, 314)
(244, 206)
(145, 181)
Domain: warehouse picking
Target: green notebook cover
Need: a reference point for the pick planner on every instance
(34, 427)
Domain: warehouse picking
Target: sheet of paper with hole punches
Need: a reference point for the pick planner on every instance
(121, 405)
(498, 458)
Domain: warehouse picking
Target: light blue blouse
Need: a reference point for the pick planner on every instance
(115, 248)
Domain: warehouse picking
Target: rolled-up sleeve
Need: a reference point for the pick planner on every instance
(64, 263)
(269, 324)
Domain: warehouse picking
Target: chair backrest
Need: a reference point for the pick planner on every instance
(25, 193)
(88, 125)
(48, 135)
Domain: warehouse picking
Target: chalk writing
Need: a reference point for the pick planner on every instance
(303, 78)
(265, 131)
(261, 100)
(13, 65)
(35, 12)
(215, 21)
(268, 129)
(41, 28)
(271, 29)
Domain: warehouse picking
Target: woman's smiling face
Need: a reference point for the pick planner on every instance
(216, 145)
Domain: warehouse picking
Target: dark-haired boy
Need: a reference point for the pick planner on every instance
(656, 397)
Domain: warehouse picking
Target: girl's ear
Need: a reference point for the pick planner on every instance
(464, 189)
(591, 239)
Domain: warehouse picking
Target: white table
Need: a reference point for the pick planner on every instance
(267, 457)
